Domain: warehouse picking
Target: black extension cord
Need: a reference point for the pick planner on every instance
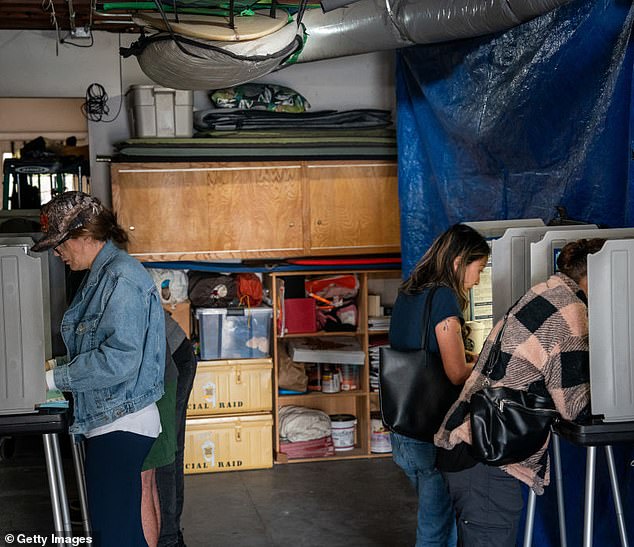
(95, 107)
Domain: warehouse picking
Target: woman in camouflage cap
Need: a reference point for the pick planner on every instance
(115, 338)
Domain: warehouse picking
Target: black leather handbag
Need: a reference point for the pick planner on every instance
(507, 425)
(414, 391)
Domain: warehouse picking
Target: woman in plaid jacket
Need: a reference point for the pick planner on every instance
(545, 351)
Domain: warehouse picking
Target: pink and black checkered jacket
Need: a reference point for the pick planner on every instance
(545, 349)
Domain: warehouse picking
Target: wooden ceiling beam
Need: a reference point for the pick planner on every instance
(37, 15)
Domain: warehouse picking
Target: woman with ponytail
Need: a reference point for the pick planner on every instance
(114, 333)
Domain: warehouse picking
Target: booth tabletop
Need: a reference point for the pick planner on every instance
(49, 420)
(595, 432)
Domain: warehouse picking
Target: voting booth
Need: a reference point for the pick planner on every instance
(32, 301)
(611, 337)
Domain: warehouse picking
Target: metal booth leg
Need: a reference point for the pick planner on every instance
(588, 506)
(618, 507)
(59, 501)
(559, 484)
(532, 500)
(63, 498)
(530, 518)
(80, 476)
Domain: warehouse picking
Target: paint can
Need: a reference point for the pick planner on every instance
(380, 442)
(344, 428)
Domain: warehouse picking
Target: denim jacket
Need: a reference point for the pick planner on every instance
(114, 333)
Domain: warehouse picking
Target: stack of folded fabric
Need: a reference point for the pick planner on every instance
(305, 432)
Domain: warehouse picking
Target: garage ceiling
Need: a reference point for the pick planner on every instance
(68, 14)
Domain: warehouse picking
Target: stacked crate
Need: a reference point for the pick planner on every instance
(229, 413)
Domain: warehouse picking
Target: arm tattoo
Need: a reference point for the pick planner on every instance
(446, 325)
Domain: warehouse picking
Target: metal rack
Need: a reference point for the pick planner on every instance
(21, 174)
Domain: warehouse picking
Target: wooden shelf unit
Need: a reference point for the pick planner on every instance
(205, 211)
(359, 403)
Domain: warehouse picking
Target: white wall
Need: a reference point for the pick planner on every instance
(33, 64)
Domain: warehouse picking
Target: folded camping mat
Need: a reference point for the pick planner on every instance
(278, 144)
(231, 119)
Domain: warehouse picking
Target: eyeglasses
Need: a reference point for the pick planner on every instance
(63, 240)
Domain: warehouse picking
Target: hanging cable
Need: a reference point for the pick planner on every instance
(65, 40)
(96, 105)
(47, 5)
(95, 108)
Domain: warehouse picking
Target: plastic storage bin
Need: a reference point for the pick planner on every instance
(160, 112)
(234, 333)
(231, 387)
(228, 443)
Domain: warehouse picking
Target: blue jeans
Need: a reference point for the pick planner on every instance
(169, 478)
(436, 519)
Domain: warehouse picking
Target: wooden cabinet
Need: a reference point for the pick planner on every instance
(351, 208)
(207, 211)
(361, 402)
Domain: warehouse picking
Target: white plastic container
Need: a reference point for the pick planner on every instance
(343, 428)
(160, 111)
(475, 338)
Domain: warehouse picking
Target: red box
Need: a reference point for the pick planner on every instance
(300, 315)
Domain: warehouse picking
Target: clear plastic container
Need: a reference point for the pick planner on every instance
(234, 333)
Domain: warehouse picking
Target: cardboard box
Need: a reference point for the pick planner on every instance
(231, 387)
(181, 313)
(234, 333)
(228, 443)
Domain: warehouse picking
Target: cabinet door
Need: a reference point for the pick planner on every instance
(256, 209)
(210, 211)
(353, 208)
(160, 206)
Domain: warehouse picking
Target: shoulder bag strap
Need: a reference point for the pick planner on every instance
(494, 354)
(496, 349)
(427, 317)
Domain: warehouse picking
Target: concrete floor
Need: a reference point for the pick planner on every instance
(359, 503)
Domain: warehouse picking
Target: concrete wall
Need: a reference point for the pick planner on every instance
(33, 64)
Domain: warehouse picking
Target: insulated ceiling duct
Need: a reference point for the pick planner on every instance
(375, 25)
(361, 27)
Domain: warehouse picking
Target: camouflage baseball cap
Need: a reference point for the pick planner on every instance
(63, 214)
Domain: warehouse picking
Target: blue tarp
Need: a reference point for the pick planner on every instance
(509, 126)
